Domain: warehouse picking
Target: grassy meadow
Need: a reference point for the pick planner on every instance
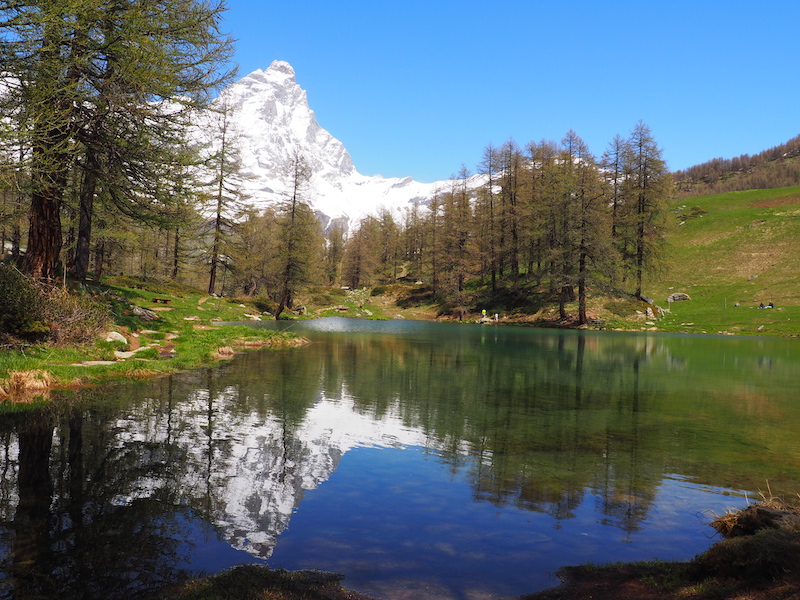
(729, 253)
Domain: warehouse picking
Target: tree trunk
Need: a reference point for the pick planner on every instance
(582, 263)
(44, 235)
(176, 254)
(99, 254)
(81, 267)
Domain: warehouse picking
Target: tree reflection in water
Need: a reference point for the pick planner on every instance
(98, 495)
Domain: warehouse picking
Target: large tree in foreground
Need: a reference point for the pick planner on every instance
(90, 78)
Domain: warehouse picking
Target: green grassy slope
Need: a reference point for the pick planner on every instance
(738, 247)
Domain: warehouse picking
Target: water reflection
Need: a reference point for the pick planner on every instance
(471, 460)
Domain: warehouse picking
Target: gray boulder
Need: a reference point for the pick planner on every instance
(144, 314)
(678, 297)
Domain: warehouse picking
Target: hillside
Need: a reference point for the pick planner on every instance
(772, 168)
(729, 252)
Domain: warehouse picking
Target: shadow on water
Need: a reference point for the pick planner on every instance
(419, 459)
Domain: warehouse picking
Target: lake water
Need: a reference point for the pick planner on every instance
(421, 460)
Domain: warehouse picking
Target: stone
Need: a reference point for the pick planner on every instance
(116, 336)
(678, 297)
(144, 314)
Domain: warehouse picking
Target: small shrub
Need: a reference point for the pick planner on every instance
(76, 318)
(379, 290)
(21, 305)
(265, 304)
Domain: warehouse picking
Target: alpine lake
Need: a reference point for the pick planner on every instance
(421, 460)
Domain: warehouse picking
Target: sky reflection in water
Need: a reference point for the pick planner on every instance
(420, 460)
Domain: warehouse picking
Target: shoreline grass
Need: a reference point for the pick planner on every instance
(182, 335)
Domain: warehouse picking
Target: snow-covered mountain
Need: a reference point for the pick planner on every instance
(272, 120)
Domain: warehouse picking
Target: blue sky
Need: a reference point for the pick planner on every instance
(416, 88)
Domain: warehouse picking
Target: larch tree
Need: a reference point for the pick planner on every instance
(334, 250)
(92, 80)
(458, 251)
(485, 213)
(223, 164)
(511, 215)
(252, 248)
(613, 163)
(647, 187)
(594, 248)
(414, 240)
(301, 243)
(362, 253)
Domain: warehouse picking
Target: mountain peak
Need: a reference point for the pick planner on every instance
(270, 112)
(281, 68)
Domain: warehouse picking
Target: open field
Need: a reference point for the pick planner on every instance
(729, 253)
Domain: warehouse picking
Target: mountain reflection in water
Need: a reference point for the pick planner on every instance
(418, 459)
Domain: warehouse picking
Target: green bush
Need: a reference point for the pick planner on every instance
(148, 354)
(22, 305)
(379, 290)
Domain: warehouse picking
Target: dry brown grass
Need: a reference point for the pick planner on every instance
(774, 202)
(224, 353)
(769, 512)
(25, 386)
(139, 373)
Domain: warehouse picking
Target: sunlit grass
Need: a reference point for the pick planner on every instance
(739, 251)
(182, 334)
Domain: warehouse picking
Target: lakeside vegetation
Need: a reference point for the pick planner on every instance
(728, 252)
(177, 332)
